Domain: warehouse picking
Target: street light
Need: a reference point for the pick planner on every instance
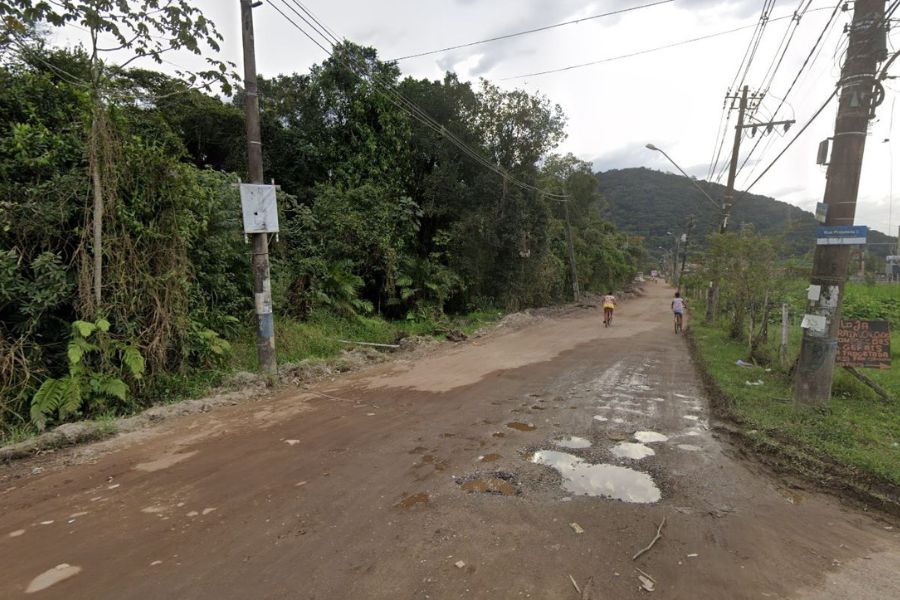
(691, 179)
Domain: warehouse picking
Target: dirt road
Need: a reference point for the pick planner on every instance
(468, 474)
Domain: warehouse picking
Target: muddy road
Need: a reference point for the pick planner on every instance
(496, 468)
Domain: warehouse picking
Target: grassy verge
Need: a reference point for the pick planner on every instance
(315, 338)
(318, 336)
(856, 429)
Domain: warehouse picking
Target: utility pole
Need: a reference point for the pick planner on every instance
(712, 299)
(575, 291)
(262, 287)
(857, 85)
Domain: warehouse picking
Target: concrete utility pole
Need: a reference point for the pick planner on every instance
(262, 287)
(865, 49)
(712, 298)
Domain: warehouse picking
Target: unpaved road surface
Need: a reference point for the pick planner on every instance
(379, 484)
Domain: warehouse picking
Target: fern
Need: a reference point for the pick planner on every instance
(134, 361)
(55, 396)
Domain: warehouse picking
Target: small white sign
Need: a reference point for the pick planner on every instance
(816, 323)
(259, 208)
(813, 292)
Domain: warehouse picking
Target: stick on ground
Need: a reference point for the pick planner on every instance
(577, 589)
(655, 539)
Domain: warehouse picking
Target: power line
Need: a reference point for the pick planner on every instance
(529, 31)
(794, 139)
(813, 55)
(648, 50)
(404, 103)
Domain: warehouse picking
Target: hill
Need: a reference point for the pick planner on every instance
(650, 203)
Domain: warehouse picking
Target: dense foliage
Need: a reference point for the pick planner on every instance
(378, 215)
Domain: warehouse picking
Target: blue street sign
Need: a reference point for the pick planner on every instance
(841, 235)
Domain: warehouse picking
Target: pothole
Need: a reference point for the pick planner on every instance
(498, 483)
(571, 441)
(521, 426)
(632, 450)
(649, 437)
(410, 501)
(490, 457)
(611, 481)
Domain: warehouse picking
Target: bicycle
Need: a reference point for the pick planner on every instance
(679, 319)
(607, 318)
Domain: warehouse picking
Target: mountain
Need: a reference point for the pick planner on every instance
(650, 203)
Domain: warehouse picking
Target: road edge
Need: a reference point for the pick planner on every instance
(784, 458)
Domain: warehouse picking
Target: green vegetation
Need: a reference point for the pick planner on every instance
(117, 206)
(857, 429)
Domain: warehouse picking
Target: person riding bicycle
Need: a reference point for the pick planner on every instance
(609, 304)
(678, 306)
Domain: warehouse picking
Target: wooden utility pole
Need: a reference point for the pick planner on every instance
(857, 85)
(262, 287)
(576, 294)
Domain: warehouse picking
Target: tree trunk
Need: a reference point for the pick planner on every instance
(97, 185)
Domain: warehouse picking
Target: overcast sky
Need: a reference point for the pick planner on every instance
(672, 98)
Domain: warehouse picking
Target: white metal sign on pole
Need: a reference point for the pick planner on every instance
(259, 208)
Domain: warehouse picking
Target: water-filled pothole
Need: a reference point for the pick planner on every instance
(632, 450)
(498, 483)
(410, 501)
(493, 457)
(611, 481)
(649, 437)
(571, 441)
(521, 426)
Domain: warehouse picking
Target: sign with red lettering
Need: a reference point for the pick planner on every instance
(864, 344)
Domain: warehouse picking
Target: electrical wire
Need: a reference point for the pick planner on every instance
(529, 31)
(405, 104)
(794, 139)
(814, 52)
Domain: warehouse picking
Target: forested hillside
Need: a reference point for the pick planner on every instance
(380, 216)
(649, 203)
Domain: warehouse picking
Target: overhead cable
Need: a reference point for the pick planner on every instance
(529, 31)
(401, 101)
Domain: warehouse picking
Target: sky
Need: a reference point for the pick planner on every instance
(671, 98)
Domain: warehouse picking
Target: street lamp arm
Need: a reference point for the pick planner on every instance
(689, 178)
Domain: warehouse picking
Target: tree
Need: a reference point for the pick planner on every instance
(146, 30)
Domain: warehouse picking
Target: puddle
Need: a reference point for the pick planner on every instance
(571, 441)
(537, 407)
(52, 577)
(600, 418)
(649, 437)
(690, 447)
(610, 481)
(691, 417)
(16, 533)
(490, 458)
(632, 450)
(498, 484)
(498, 434)
(419, 450)
(410, 501)
(430, 459)
(521, 426)
(618, 420)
